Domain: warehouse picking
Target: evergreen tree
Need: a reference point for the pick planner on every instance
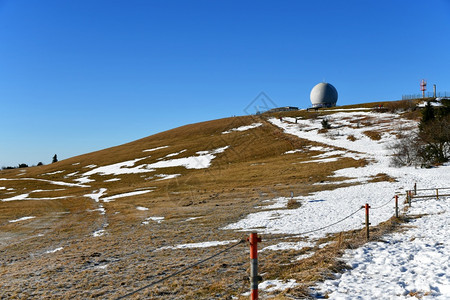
(55, 159)
(427, 113)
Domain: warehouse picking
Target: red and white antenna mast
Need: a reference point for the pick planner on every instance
(423, 87)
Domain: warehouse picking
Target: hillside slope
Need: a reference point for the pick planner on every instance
(106, 223)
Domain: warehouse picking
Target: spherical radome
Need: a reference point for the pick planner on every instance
(323, 95)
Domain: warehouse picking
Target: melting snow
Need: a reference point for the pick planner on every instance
(25, 197)
(175, 154)
(200, 161)
(50, 181)
(192, 218)
(107, 199)
(83, 180)
(243, 128)
(156, 219)
(112, 179)
(274, 285)
(54, 250)
(141, 208)
(96, 194)
(411, 263)
(154, 149)
(293, 151)
(71, 174)
(21, 219)
(99, 233)
(167, 176)
(289, 246)
(53, 173)
(120, 168)
(199, 245)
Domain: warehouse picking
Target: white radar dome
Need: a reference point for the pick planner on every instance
(323, 95)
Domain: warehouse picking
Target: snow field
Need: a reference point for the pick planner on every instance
(409, 263)
(415, 262)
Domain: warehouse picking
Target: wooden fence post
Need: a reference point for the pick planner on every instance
(367, 220)
(415, 188)
(437, 194)
(254, 278)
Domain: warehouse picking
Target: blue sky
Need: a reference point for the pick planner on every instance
(79, 76)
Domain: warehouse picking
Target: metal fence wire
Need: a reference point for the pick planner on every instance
(427, 95)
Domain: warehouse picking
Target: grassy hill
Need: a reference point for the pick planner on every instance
(93, 225)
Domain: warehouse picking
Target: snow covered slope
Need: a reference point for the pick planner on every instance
(210, 183)
(410, 264)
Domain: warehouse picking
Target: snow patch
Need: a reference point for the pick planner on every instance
(289, 246)
(22, 219)
(155, 149)
(200, 161)
(166, 176)
(54, 250)
(112, 179)
(199, 245)
(99, 233)
(243, 128)
(155, 219)
(96, 194)
(107, 199)
(120, 168)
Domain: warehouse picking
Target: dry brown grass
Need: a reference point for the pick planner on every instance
(252, 170)
(373, 135)
(380, 177)
(293, 204)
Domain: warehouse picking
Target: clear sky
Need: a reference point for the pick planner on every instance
(84, 75)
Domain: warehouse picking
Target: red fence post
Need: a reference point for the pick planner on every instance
(396, 206)
(254, 278)
(367, 220)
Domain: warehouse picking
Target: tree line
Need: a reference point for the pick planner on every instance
(429, 145)
(23, 165)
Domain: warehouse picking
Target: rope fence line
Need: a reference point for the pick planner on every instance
(255, 240)
(332, 224)
(317, 229)
(444, 188)
(384, 204)
(413, 194)
(181, 271)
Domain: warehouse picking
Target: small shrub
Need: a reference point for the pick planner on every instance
(293, 204)
(325, 124)
(351, 137)
(373, 135)
(405, 151)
